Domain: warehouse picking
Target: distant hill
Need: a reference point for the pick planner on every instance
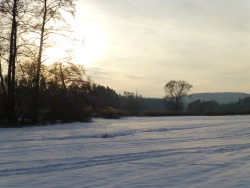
(225, 97)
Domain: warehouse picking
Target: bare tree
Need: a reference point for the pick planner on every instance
(68, 82)
(48, 16)
(175, 91)
(12, 18)
(9, 13)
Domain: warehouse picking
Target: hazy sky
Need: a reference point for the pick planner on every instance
(140, 45)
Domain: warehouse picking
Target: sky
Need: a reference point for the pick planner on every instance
(140, 45)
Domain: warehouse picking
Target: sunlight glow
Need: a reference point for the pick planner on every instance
(88, 47)
(55, 53)
(91, 43)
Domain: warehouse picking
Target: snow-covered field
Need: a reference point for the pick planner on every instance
(138, 152)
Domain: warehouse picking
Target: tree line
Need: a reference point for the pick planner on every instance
(27, 28)
(242, 106)
(177, 90)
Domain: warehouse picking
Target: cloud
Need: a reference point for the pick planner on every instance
(99, 74)
(134, 77)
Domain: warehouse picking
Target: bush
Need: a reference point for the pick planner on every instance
(162, 113)
(110, 113)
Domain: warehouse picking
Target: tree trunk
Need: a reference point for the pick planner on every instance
(11, 118)
(38, 70)
(65, 94)
(2, 81)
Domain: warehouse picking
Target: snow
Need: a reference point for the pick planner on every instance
(132, 152)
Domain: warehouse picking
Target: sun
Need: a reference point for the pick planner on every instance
(55, 53)
(91, 43)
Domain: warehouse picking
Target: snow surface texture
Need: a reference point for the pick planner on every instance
(132, 152)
